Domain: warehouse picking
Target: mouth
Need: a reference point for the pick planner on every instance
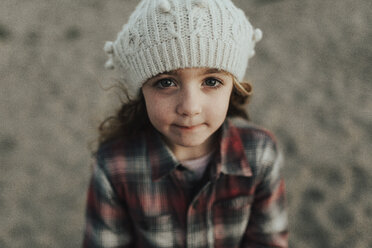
(187, 127)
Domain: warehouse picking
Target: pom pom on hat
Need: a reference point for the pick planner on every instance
(164, 6)
(109, 64)
(257, 36)
(109, 47)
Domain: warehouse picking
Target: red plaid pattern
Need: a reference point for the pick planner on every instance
(135, 197)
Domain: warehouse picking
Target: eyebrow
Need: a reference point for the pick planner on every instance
(214, 70)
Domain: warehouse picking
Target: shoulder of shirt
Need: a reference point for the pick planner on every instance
(246, 127)
(121, 155)
(260, 145)
(116, 146)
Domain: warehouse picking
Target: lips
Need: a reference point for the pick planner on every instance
(187, 127)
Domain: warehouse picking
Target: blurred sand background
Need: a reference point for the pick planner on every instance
(312, 88)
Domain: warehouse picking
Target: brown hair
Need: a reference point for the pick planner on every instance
(132, 116)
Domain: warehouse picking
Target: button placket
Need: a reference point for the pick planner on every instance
(194, 218)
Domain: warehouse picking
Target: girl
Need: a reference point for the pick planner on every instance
(173, 169)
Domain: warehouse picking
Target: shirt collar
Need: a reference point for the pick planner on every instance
(161, 159)
(231, 158)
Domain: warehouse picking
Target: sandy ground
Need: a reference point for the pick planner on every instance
(313, 89)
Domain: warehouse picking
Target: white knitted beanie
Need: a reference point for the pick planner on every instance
(164, 35)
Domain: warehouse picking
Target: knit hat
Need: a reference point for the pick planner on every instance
(164, 35)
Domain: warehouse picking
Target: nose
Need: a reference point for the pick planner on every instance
(189, 103)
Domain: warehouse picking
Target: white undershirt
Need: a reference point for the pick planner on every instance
(198, 166)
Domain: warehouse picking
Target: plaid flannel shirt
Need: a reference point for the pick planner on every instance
(136, 198)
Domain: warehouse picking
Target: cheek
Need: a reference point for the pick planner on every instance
(224, 101)
(157, 110)
(218, 109)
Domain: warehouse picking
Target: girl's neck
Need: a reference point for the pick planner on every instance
(183, 153)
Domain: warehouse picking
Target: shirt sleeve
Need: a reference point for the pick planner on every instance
(107, 222)
(268, 224)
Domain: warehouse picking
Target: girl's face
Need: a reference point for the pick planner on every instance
(187, 106)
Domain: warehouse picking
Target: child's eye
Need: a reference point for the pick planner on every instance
(165, 83)
(212, 82)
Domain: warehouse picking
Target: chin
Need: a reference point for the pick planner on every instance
(190, 143)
